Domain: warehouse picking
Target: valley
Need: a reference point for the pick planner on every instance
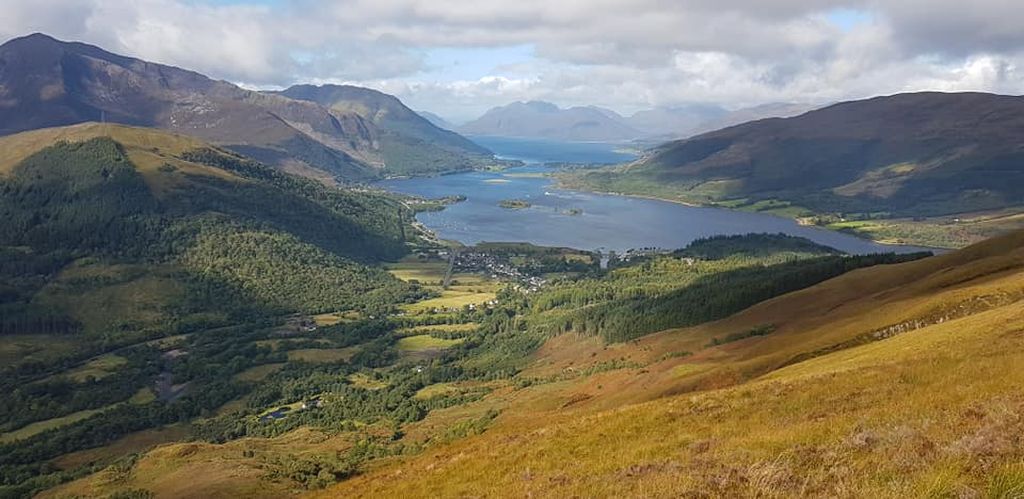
(218, 289)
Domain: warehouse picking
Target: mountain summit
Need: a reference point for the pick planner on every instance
(46, 82)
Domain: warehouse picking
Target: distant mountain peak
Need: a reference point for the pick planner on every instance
(539, 119)
(542, 106)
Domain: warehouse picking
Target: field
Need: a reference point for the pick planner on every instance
(423, 346)
(451, 300)
(258, 373)
(321, 354)
(466, 328)
(426, 272)
(97, 368)
(331, 319)
(36, 347)
(366, 382)
(49, 424)
(143, 396)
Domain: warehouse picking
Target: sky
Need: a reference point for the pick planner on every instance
(458, 58)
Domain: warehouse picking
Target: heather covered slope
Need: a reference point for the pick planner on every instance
(891, 381)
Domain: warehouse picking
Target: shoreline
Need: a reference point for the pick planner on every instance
(885, 242)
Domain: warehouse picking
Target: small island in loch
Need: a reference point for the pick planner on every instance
(515, 204)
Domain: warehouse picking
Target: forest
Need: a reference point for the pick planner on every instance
(168, 298)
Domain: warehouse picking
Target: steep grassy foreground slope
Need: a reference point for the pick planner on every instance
(892, 381)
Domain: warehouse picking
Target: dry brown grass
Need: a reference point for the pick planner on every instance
(933, 411)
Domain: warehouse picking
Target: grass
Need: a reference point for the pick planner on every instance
(137, 294)
(424, 342)
(129, 444)
(258, 373)
(41, 426)
(826, 405)
(364, 381)
(19, 348)
(447, 389)
(333, 318)
(143, 396)
(238, 468)
(97, 368)
(436, 390)
(427, 329)
(451, 299)
(429, 272)
(321, 354)
(932, 411)
(423, 346)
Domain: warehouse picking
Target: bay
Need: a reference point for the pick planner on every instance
(583, 220)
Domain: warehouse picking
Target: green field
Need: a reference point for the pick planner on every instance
(321, 354)
(423, 345)
(258, 373)
(97, 368)
(143, 396)
(449, 300)
(429, 272)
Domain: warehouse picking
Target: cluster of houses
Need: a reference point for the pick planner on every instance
(632, 253)
(498, 268)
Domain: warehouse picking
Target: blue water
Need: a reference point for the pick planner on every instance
(607, 222)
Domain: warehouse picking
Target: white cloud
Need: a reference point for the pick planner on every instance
(625, 54)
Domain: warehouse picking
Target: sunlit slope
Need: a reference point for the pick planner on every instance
(894, 381)
(110, 226)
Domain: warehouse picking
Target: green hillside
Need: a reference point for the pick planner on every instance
(930, 168)
(120, 243)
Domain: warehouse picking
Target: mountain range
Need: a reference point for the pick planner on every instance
(45, 83)
(543, 120)
(921, 154)
(537, 119)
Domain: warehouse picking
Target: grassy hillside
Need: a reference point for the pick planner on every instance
(892, 381)
(893, 161)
